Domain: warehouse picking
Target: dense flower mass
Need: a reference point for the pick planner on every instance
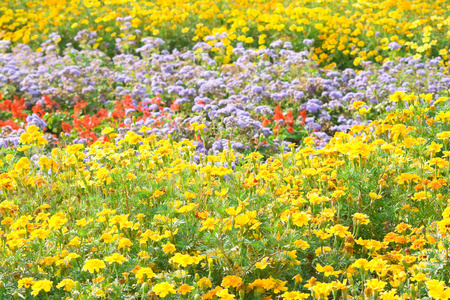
(224, 150)
(343, 32)
(263, 99)
(364, 216)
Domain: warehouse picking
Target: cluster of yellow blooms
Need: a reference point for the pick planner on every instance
(343, 30)
(144, 216)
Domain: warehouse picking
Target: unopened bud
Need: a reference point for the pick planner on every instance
(145, 287)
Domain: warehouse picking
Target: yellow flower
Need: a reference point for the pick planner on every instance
(107, 237)
(144, 274)
(434, 148)
(361, 264)
(41, 285)
(231, 281)
(26, 282)
(23, 164)
(262, 264)
(67, 284)
(187, 208)
(224, 295)
(209, 224)
(295, 295)
(297, 278)
(98, 292)
(300, 219)
(185, 259)
(241, 220)
(163, 289)
(233, 211)
(438, 290)
(359, 218)
(83, 222)
(339, 230)
(169, 248)
(358, 104)
(116, 258)
(419, 277)
(94, 265)
(56, 222)
(376, 285)
(204, 283)
(131, 176)
(124, 242)
(390, 295)
(185, 289)
(327, 270)
(40, 233)
(322, 290)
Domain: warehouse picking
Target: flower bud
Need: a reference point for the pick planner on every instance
(145, 287)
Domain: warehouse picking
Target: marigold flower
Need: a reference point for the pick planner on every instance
(26, 282)
(169, 248)
(185, 289)
(231, 281)
(116, 258)
(163, 289)
(94, 265)
(41, 285)
(67, 284)
(204, 283)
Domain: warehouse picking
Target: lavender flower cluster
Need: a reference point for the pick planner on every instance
(231, 99)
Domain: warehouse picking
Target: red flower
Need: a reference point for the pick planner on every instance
(79, 106)
(6, 105)
(290, 121)
(128, 102)
(119, 111)
(102, 113)
(278, 114)
(66, 127)
(37, 109)
(174, 107)
(16, 107)
(9, 123)
(303, 115)
(89, 135)
(49, 103)
(266, 122)
(76, 122)
(90, 122)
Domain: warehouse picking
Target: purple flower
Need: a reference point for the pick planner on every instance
(394, 46)
(312, 107)
(34, 119)
(308, 42)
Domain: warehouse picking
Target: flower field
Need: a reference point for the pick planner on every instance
(240, 149)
